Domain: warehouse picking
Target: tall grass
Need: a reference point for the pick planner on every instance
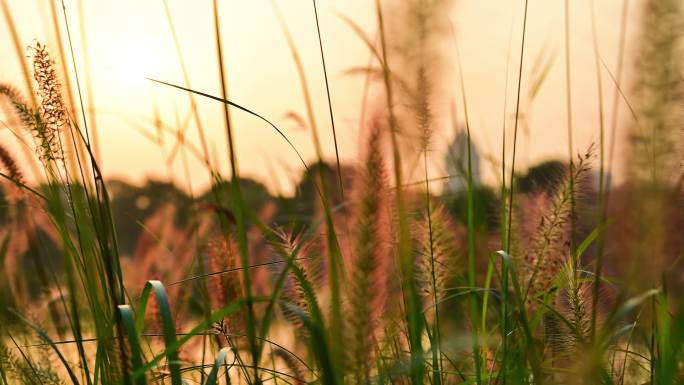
(381, 281)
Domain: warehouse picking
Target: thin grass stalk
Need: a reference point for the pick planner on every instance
(99, 225)
(186, 81)
(75, 319)
(485, 296)
(100, 189)
(110, 251)
(85, 143)
(72, 312)
(600, 240)
(43, 335)
(206, 313)
(19, 51)
(205, 301)
(411, 300)
(73, 146)
(615, 110)
(336, 268)
(239, 209)
(244, 109)
(44, 75)
(364, 93)
(307, 99)
(330, 109)
(424, 116)
(471, 233)
(62, 56)
(92, 116)
(568, 108)
(229, 133)
(28, 79)
(506, 272)
(515, 134)
(186, 167)
(504, 229)
(26, 359)
(107, 282)
(436, 350)
(224, 91)
(303, 83)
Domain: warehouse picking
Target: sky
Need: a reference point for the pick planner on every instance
(128, 40)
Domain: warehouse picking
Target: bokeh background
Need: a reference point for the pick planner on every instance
(122, 42)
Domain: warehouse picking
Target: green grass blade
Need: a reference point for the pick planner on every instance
(201, 327)
(319, 344)
(470, 229)
(628, 307)
(220, 359)
(126, 313)
(168, 325)
(41, 333)
(533, 355)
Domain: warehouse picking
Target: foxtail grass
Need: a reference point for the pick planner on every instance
(402, 297)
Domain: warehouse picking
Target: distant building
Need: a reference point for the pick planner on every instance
(457, 163)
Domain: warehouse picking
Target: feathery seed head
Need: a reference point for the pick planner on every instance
(52, 108)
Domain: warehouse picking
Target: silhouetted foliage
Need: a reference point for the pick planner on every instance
(543, 177)
(485, 205)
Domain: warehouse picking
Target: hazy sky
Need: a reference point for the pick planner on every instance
(130, 39)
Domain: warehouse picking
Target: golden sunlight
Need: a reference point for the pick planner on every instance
(132, 62)
(341, 192)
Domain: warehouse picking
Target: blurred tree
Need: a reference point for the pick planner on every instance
(659, 92)
(485, 207)
(543, 177)
(254, 193)
(307, 199)
(131, 205)
(654, 159)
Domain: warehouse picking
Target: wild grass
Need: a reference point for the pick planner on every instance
(364, 276)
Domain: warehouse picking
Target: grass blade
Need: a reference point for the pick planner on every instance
(213, 374)
(126, 314)
(330, 109)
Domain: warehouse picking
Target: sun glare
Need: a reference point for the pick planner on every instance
(132, 63)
